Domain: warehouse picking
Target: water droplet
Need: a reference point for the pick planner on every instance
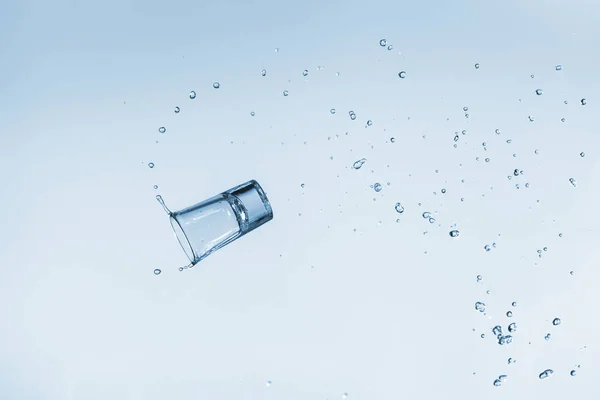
(539, 92)
(151, 165)
(583, 102)
(216, 85)
(263, 72)
(390, 47)
(511, 360)
(377, 187)
(162, 129)
(192, 95)
(392, 140)
(399, 208)
(443, 190)
(359, 163)
(548, 336)
(332, 111)
(383, 42)
(512, 327)
(268, 383)
(556, 321)
(177, 109)
(345, 396)
(582, 154)
(497, 331)
(479, 278)
(546, 374)
(305, 72)
(497, 382)
(157, 271)
(573, 372)
(155, 187)
(479, 306)
(505, 340)
(558, 67)
(276, 49)
(465, 108)
(476, 65)
(532, 76)
(252, 113)
(431, 220)
(454, 233)
(514, 303)
(573, 182)
(464, 132)
(369, 123)
(487, 160)
(285, 93)
(487, 247)
(562, 120)
(402, 74)
(497, 131)
(572, 273)
(426, 214)
(509, 314)
(456, 138)
(483, 335)
(531, 119)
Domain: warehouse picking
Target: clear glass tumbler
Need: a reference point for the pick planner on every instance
(207, 226)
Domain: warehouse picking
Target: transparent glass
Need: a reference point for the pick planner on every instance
(205, 227)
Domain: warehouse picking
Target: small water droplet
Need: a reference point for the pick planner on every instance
(177, 109)
(531, 118)
(582, 154)
(399, 208)
(546, 374)
(268, 383)
(562, 120)
(583, 102)
(252, 113)
(476, 65)
(345, 396)
(516, 172)
(285, 93)
(497, 382)
(454, 233)
(305, 72)
(479, 306)
(511, 360)
(558, 67)
(276, 49)
(509, 141)
(369, 123)
(402, 74)
(162, 129)
(482, 335)
(479, 278)
(216, 85)
(532, 76)
(263, 72)
(332, 111)
(392, 140)
(377, 187)
(487, 160)
(192, 95)
(572, 273)
(464, 132)
(556, 321)
(512, 327)
(548, 336)
(426, 214)
(151, 165)
(465, 108)
(383, 42)
(155, 187)
(390, 47)
(503, 340)
(487, 247)
(359, 163)
(539, 92)
(573, 182)
(443, 190)
(514, 303)
(431, 220)
(573, 372)
(157, 271)
(497, 331)
(509, 314)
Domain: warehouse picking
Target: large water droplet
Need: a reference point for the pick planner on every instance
(556, 321)
(402, 74)
(216, 85)
(454, 233)
(546, 374)
(359, 163)
(539, 92)
(383, 42)
(479, 306)
(377, 187)
(151, 165)
(399, 208)
(157, 271)
(192, 95)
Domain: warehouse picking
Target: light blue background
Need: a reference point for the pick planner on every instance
(333, 296)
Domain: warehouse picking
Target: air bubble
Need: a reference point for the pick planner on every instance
(332, 111)
(479, 306)
(263, 72)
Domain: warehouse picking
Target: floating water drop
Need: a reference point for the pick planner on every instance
(431, 220)
(157, 271)
(345, 396)
(268, 383)
(252, 113)
(516, 172)
(359, 163)
(377, 187)
(512, 327)
(497, 382)
(479, 306)
(383, 42)
(456, 137)
(162, 129)
(582, 154)
(497, 331)
(216, 85)
(548, 336)
(476, 65)
(332, 111)
(426, 214)
(505, 340)
(531, 118)
(177, 109)
(390, 47)
(192, 95)
(155, 187)
(511, 360)
(573, 182)
(305, 72)
(573, 372)
(497, 131)
(514, 303)
(465, 108)
(443, 190)
(454, 233)
(562, 120)
(285, 93)
(583, 102)
(369, 123)
(556, 321)
(558, 67)
(392, 140)
(399, 208)
(487, 160)
(546, 374)
(539, 92)
(402, 74)
(151, 165)
(263, 72)
(532, 76)
(479, 278)
(487, 247)
(509, 314)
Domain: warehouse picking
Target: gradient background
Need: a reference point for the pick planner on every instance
(333, 296)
